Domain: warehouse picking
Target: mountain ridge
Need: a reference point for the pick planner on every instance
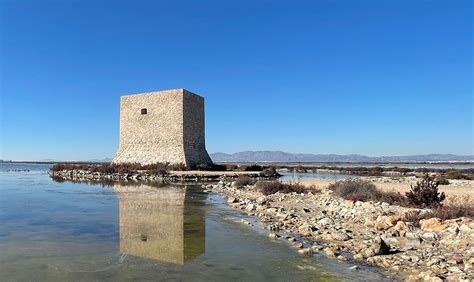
(280, 156)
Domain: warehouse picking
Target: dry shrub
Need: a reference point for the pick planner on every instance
(244, 180)
(442, 180)
(362, 190)
(454, 207)
(270, 172)
(231, 167)
(157, 168)
(272, 187)
(391, 197)
(451, 212)
(354, 188)
(463, 205)
(460, 174)
(376, 171)
(253, 167)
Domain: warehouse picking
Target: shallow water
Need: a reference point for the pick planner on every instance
(63, 231)
(295, 176)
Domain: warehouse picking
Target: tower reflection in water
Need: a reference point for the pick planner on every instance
(164, 223)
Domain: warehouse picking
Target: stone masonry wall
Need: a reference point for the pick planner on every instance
(171, 131)
(194, 139)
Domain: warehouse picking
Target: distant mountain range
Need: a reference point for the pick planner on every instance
(284, 157)
(278, 156)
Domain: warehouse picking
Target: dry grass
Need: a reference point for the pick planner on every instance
(360, 190)
(244, 180)
(158, 168)
(454, 207)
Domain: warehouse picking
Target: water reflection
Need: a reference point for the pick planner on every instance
(64, 231)
(161, 223)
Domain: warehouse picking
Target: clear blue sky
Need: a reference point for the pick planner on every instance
(365, 77)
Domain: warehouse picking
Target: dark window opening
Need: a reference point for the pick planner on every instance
(144, 111)
(144, 238)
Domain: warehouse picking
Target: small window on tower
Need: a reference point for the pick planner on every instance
(144, 111)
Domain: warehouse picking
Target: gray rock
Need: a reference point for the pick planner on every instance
(307, 228)
(261, 200)
(325, 222)
(250, 207)
(340, 236)
(305, 251)
(354, 268)
(273, 236)
(429, 236)
(378, 247)
(466, 229)
(330, 252)
(231, 200)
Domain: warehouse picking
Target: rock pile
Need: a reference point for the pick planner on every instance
(168, 177)
(377, 234)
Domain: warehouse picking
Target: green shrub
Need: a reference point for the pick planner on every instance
(272, 187)
(244, 180)
(425, 193)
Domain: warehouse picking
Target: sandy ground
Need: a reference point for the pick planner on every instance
(456, 188)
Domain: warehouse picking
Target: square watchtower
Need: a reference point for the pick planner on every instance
(163, 126)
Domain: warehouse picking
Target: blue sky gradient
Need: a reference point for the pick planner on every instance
(362, 77)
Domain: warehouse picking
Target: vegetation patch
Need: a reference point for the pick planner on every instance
(130, 168)
(467, 174)
(444, 212)
(243, 180)
(458, 174)
(211, 167)
(362, 190)
(442, 180)
(424, 194)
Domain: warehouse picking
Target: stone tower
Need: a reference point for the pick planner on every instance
(163, 126)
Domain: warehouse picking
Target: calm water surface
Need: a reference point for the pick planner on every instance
(295, 176)
(63, 231)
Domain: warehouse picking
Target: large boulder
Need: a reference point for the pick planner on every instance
(340, 236)
(384, 222)
(400, 229)
(433, 224)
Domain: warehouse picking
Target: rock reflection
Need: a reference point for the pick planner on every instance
(162, 223)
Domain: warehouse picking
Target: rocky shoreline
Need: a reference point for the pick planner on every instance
(375, 234)
(170, 177)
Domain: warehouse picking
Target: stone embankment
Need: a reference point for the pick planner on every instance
(376, 234)
(172, 176)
